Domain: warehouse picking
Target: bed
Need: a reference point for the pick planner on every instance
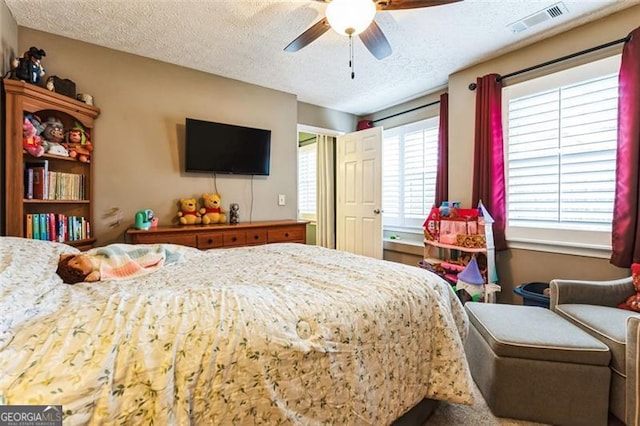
(272, 334)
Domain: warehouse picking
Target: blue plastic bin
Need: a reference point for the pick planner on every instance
(533, 294)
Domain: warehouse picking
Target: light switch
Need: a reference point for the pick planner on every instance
(281, 200)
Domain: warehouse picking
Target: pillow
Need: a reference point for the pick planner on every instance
(633, 302)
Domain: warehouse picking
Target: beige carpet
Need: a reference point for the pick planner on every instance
(447, 414)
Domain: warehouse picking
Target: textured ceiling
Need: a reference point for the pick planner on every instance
(244, 40)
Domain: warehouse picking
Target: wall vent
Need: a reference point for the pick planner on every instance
(539, 17)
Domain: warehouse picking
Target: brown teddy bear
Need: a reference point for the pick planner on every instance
(189, 214)
(211, 211)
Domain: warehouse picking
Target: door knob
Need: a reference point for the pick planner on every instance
(376, 211)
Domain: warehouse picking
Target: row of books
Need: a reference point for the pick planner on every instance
(57, 227)
(43, 184)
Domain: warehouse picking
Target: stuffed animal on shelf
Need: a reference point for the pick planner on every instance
(633, 302)
(31, 141)
(78, 143)
(53, 135)
(189, 214)
(211, 211)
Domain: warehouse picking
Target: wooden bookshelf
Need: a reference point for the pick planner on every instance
(21, 98)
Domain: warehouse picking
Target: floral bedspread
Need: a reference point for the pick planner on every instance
(273, 334)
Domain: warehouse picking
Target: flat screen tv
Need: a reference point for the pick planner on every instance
(226, 148)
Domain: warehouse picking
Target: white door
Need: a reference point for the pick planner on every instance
(359, 192)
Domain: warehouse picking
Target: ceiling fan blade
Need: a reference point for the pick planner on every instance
(375, 40)
(310, 35)
(409, 4)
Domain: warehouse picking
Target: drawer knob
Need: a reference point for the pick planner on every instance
(255, 237)
(233, 239)
(210, 241)
(286, 234)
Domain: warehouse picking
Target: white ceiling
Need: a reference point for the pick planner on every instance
(244, 40)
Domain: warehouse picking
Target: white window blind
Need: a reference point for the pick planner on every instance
(307, 181)
(409, 166)
(561, 153)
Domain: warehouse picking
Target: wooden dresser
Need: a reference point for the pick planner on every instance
(216, 236)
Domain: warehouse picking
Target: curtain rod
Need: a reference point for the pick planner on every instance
(473, 86)
(407, 111)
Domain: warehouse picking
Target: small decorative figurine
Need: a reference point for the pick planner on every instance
(234, 213)
(29, 68)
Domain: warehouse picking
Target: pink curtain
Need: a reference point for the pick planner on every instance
(625, 232)
(442, 174)
(488, 159)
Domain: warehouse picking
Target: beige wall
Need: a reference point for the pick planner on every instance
(408, 112)
(139, 136)
(325, 118)
(8, 48)
(8, 38)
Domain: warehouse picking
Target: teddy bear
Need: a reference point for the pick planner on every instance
(189, 214)
(211, 211)
(31, 141)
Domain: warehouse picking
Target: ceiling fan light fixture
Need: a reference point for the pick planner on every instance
(350, 17)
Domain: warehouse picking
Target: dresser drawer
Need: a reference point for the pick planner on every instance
(234, 238)
(278, 235)
(210, 240)
(185, 240)
(222, 235)
(256, 236)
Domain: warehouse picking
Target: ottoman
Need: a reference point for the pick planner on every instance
(531, 364)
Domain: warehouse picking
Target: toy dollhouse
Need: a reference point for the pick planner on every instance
(459, 247)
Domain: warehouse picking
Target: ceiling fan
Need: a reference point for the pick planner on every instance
(356, 17)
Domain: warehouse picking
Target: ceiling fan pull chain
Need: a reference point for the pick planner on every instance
(353, 74)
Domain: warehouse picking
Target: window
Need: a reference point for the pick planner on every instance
(307, 181)
(409, 166)
(560, 163)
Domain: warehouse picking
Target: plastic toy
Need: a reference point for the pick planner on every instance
(144, 219)
(471, 281)
(29, 68)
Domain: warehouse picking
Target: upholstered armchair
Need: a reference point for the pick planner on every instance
(592, 305)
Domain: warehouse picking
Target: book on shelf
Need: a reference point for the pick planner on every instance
(40, 178)
(53, 229)
(28, 183)
(38, 183)
(43, 184)
(29, 225)
(44, 227)
(56, 227)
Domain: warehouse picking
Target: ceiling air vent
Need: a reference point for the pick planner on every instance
(550, 12)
